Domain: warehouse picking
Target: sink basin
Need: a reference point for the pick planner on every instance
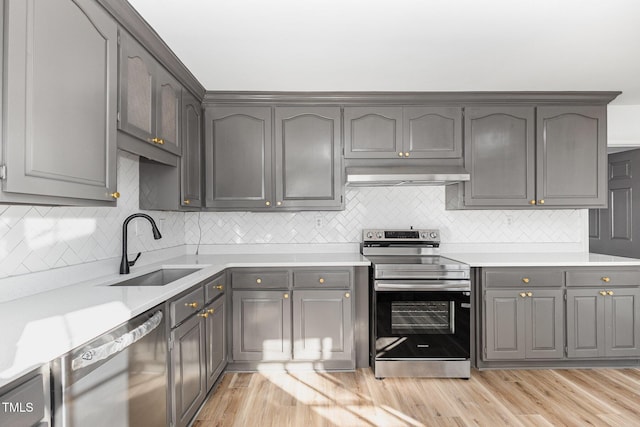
(160, 277)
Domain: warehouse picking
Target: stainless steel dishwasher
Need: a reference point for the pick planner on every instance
(118, 379)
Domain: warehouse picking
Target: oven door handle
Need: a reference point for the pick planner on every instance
(423, 285)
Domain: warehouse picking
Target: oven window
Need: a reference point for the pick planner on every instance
(422, 317)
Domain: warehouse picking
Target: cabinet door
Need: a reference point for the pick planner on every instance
(622, 322)
(373, 132)
(215, 326)
(137, 89)
(307, 163)
(322, 325)
(261, 325)
(544, 323)
(190, 163)
(572, 156)
(432, 132)
(500, 156)
(585, 323)
(504, 323)
(238, 146)
(188, 367)
(60, 89)
(168, 103)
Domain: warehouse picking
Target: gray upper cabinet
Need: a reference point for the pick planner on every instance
(149, 104)
(247, 169)
(60, 91)
(518, 159)
(432, 132)
(403, 132)
(238, 144)
(191, 161)
(572, 156)
(373, 132)
(500, 156)
(307, 163)
(166, 187)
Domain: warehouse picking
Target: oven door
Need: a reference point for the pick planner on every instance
(422, 322)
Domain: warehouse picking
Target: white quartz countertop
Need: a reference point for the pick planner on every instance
(41, 327)
(546, 259)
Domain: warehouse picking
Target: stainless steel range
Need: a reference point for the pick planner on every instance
(420, 306)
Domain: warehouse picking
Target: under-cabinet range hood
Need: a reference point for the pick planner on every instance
(386, 176)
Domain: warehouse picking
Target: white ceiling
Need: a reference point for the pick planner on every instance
(405, 45)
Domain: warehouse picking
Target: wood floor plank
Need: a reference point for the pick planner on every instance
(599, 397)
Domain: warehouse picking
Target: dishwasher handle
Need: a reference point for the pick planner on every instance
(104, 351)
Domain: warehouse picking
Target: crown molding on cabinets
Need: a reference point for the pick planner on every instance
(131, 21)
(410, 98)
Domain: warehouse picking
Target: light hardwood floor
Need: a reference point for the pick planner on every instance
(598, 397)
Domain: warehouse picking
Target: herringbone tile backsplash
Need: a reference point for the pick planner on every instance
(36, 238)
(388, 207)
(40, 238)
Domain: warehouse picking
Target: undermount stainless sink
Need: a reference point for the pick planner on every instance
(160, 277)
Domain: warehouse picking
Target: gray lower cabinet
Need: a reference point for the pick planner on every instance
(149, 104)
(188, 369)
(261, 325)
(387, 132)
(247, 169)
(166, 187)
(526, 157)
(60, 93)
(216, 349)
(524, 324)
(25, 402)
(197, 346)
(322, 325)
(603, 322)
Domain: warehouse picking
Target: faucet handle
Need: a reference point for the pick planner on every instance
(132, 263)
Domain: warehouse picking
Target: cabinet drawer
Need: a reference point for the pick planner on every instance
(603, 277)
(24, 405)
(260, 280)
(215, 287)
(522, 277)
(322, 279)
(186, 306)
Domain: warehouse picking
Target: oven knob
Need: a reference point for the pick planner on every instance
(369, 235)
(423, 235)
(433, 234)
(379, 234)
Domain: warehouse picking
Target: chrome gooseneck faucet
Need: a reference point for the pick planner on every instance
(125, 263)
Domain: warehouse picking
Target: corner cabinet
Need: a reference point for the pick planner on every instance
(265, 158)
(421, 132)
(533, 157)
(59, 144)
(166, 187)
(149, 104)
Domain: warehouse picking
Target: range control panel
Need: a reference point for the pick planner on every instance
(400, 236)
